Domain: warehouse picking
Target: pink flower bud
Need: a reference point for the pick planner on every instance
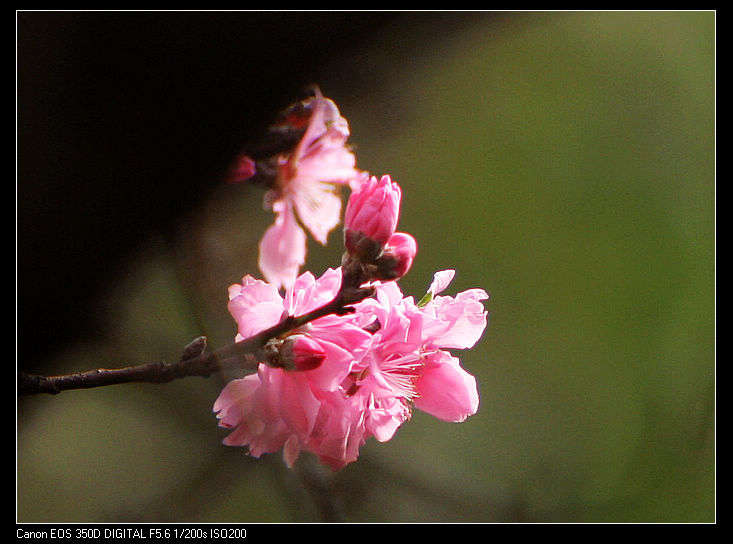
(397, 257)
(243, 170)
(372, 212)
(301, 352)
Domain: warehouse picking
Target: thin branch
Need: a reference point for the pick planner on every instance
(243, 356)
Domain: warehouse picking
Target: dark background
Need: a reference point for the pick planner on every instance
(125, 122)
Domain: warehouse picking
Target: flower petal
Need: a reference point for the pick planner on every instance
(334, 368)
(298, 406)
(455, 322)
(441, 280)
(446, 390)
(254, 305)
(235, 401)
(282, 248)
(318, 207)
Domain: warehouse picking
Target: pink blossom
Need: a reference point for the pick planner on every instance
(282, 247)
(403, 367)
(374, 251)
(372, 211)
(305, 191)
(367, 383)
(276, 408)
(407, 360)
(243, 170)
(453, 322)
(256, 305)
(441, 281)
(397, 256)
(300, 352)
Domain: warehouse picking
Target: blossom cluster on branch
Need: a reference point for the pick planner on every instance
(328, 385)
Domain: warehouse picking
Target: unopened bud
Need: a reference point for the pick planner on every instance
(397, 257)
(301, 352)
(244, 169)
(371, 213)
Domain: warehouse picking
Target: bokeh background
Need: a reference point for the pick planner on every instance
(562, 161)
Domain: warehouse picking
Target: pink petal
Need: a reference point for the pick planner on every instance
(334, 368)
(282, 249)
(384, 420)
(441, 280)
(398, 255)
(254, 305)
(389, 294)
(291, 451)
(373, 209)
(342, 332)
(235, 400)
(323, 113)
(307, 353)
(446, 390)
(308, 293)
(297, 405)
(243, 170)
(329, 163)
(459, 323)
(339, 432)
(318, 207)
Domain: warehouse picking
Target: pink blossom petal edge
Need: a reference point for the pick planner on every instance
(446, 390)
(282, 248)
(441, 280)
(255, 305)
(456, 322)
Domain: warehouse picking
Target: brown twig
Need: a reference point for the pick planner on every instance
(243, 356)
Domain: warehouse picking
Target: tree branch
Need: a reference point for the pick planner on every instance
(195, 361)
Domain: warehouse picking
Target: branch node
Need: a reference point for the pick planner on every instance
(194, 349)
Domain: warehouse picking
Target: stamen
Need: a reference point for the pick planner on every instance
(401, 373)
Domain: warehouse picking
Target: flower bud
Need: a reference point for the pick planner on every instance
(244, 169)
(300, 352)
(371, 214)
(397, 257)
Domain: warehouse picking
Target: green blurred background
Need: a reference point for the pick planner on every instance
(565, 163)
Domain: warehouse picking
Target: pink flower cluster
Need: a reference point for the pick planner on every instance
(380, 360)
(328, 385)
